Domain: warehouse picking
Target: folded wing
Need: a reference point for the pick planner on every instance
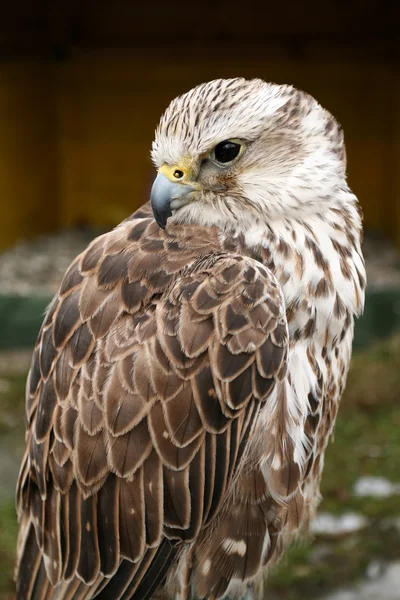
(146, 381)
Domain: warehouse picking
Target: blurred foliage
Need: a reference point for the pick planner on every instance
(366, 442)
(374, 378)
(8, 535)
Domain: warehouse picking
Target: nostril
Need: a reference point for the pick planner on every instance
(178, 174)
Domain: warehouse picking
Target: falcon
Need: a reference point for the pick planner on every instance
(187, 375)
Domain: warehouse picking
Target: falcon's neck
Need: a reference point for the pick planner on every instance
(318, 262)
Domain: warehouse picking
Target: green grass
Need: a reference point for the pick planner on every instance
(366, 442)
(8, 536)
(11, 446)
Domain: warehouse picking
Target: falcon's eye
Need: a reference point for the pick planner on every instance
(225, 152)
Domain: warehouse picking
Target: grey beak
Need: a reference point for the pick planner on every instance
(162, 195)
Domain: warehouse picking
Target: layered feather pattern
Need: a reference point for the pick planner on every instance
(148, 373)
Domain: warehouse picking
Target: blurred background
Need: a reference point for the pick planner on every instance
(82, 86)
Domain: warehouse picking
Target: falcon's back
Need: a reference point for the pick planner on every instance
(152, 366)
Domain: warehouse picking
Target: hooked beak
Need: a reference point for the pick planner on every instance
(167, 196)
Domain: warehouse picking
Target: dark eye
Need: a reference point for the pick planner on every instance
(226, 152)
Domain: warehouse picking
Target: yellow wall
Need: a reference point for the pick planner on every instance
(75, 136)
(28, 187)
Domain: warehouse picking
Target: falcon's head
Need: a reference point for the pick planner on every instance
(244, 151)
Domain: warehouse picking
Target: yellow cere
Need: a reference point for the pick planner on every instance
(182, 172)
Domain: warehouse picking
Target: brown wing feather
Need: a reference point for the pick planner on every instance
(148, 373)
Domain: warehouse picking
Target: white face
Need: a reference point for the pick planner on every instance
(237, 151)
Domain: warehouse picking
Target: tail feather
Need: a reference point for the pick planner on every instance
(155, 573)
(132, 581)
(139, 581)
(42, 587)
(29, 564)
(31, 579)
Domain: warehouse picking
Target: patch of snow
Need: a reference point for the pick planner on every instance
(328, 524)
(385, 586)
(375, 487)
(375, 569)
